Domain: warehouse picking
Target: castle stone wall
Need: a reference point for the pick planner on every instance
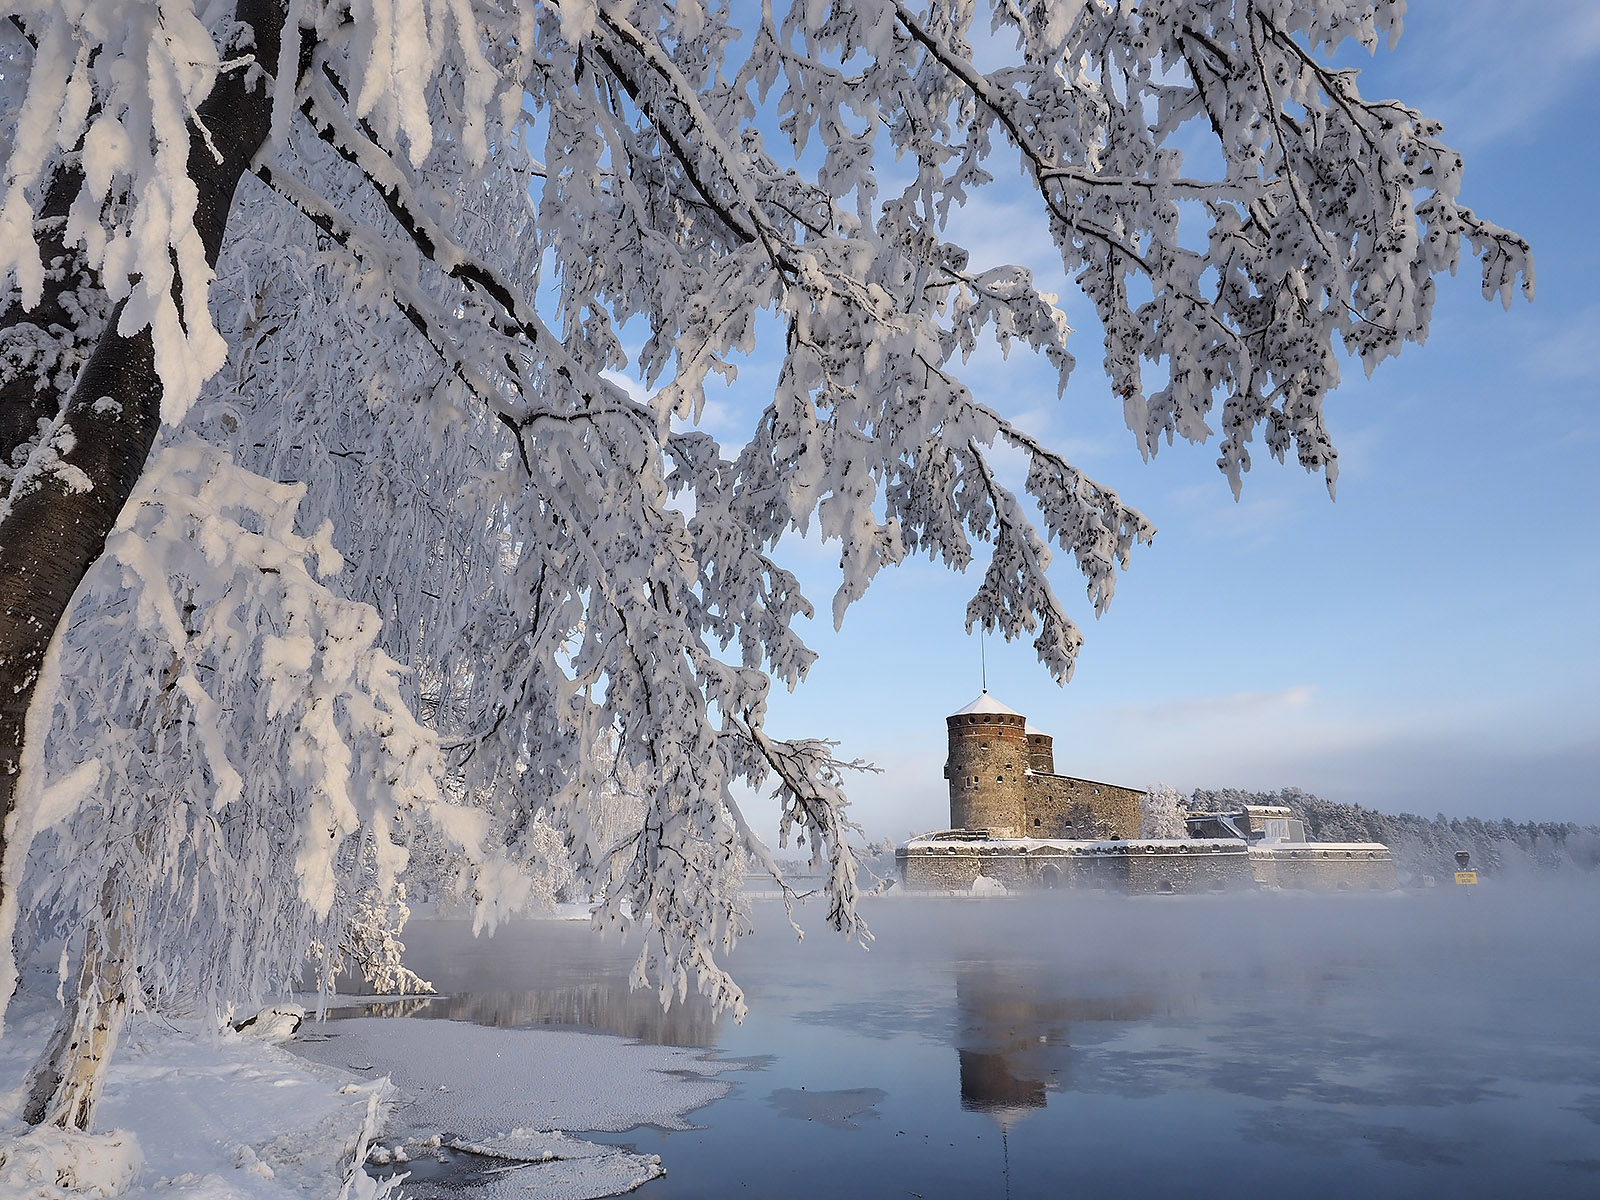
(1158, 867)
(1041, 753)
(1062, 806)
(1325, 866)
(1122, 866)
(1144, 866)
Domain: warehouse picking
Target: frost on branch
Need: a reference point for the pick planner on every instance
(474, 214)
(116, 85)
(206, 644)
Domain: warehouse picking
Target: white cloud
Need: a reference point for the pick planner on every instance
(996, 230)
(1228, 708)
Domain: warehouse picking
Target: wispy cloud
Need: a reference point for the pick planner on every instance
(1210, 513)
(1493, 67)
(1231, 707)
(1008, 225)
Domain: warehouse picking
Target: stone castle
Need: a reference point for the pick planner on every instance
(1016, 822)
(1003, 779)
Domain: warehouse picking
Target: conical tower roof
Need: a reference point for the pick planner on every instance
(986, 704)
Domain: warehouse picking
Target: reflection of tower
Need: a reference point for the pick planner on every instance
(989, 753)
(1013, 1042)
(1003, 1029)
(1005, 1023)
(987, 1085)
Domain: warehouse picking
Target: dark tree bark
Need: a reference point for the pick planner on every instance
(43, 348)
(51, 535)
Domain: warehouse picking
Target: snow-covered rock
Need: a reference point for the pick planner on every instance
(46, 1162)
(276, 1023)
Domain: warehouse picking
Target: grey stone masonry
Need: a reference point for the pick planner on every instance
(952, 861)
(986, 770)
(1063, 806)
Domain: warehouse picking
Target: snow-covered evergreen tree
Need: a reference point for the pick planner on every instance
(1427, 845)
(375, 263)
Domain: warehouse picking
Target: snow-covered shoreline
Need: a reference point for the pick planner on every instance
(188, 1113)
(511, 1092)
(194, 1114)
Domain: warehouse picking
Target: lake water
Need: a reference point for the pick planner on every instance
(1438, 1044)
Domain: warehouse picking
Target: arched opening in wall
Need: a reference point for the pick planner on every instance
(1037, 822)
(1050, 876)
(1165, 887)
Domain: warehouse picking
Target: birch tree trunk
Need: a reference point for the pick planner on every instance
(52, 530)
(64, 1084)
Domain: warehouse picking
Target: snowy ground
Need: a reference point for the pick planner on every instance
(188, 1115)
(501, 1092)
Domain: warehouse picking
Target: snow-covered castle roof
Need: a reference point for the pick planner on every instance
(986, 704)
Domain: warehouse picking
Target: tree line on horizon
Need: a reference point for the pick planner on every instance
(1427, 845)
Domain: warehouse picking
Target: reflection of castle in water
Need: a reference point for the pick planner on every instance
(1015, 1042)
(597, 1007)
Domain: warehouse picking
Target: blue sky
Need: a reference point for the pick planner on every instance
(1426, 643)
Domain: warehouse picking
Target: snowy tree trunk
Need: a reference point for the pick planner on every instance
(54, 523)
(65, 1082)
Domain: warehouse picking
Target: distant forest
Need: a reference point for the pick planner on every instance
(1427, 845)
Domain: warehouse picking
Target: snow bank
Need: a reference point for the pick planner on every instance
(51, 1162)
(558, 1167)
(187, 1114)
(509, 1093)
(475, 1082)
(276, 1023)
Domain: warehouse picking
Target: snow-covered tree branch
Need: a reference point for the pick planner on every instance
(390, 255)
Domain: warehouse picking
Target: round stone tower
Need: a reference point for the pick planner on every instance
(1041, 752)
(989, 753)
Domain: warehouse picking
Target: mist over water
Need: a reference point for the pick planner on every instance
(1442, 1042)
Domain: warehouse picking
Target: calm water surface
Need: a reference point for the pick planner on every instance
(1438, 1044)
